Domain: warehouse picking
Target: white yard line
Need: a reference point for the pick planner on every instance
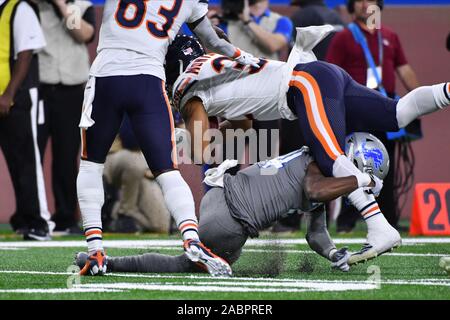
(233, 279)
(144, 244)
(157, 246)
(197, 283)
(236, 287)
(59, 290)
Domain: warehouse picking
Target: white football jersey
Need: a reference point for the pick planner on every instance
(135, 34)
(233, 91)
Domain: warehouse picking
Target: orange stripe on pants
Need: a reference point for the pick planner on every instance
(172, 126)
(311, 120)
(322, 114)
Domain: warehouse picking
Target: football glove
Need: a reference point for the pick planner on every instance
(339, 260)
(246, 58)
(375, 190)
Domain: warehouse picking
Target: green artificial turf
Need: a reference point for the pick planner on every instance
(408, 276)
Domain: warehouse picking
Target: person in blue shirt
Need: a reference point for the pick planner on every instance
(260, 30)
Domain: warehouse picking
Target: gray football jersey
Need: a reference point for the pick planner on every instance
(268, 190)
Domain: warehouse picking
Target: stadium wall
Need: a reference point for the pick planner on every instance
(422, 30)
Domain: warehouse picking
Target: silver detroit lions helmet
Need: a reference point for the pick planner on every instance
(368, 153)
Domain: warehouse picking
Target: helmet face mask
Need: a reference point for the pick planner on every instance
(368, 153)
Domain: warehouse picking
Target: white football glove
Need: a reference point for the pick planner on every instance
(375, 190)
(246, 58)
(339, 259)
(214, 176)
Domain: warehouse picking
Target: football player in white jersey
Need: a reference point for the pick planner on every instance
(128, 76)
(328, 103)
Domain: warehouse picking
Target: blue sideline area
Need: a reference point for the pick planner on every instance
(334, 3)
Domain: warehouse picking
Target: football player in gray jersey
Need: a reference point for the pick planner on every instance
(251, 201)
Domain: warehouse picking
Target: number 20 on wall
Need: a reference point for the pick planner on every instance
(140, 10)
(431, 209)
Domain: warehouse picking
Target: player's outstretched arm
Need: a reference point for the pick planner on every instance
(207, 34)
(321, 189)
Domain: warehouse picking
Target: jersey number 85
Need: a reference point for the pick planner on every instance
(140, 10)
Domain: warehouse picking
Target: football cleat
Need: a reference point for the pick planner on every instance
(339, 260)
(37, 235)
(377, 244)
(204, 258)
(91, 265)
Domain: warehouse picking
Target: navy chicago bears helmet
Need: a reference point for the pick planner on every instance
(181, 52)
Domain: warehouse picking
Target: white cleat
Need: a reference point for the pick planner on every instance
(198, 253)
(378, 242)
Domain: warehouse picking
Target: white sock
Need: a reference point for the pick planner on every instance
(343, 167)
(421, 101)
(361, 200)
(180, 203)
(91, 199)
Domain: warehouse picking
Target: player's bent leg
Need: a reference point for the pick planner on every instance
(218, 229)
(316, 97)
(317, 92)
(215, 233)
(220, 232)
(421, 101)
(180, 203)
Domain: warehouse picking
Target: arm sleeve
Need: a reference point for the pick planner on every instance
(285, 27)
(89, 17)
(317, 235)
(336, 51)
(28, 33)
(400, 58)
(199, 11)
(211, 40)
